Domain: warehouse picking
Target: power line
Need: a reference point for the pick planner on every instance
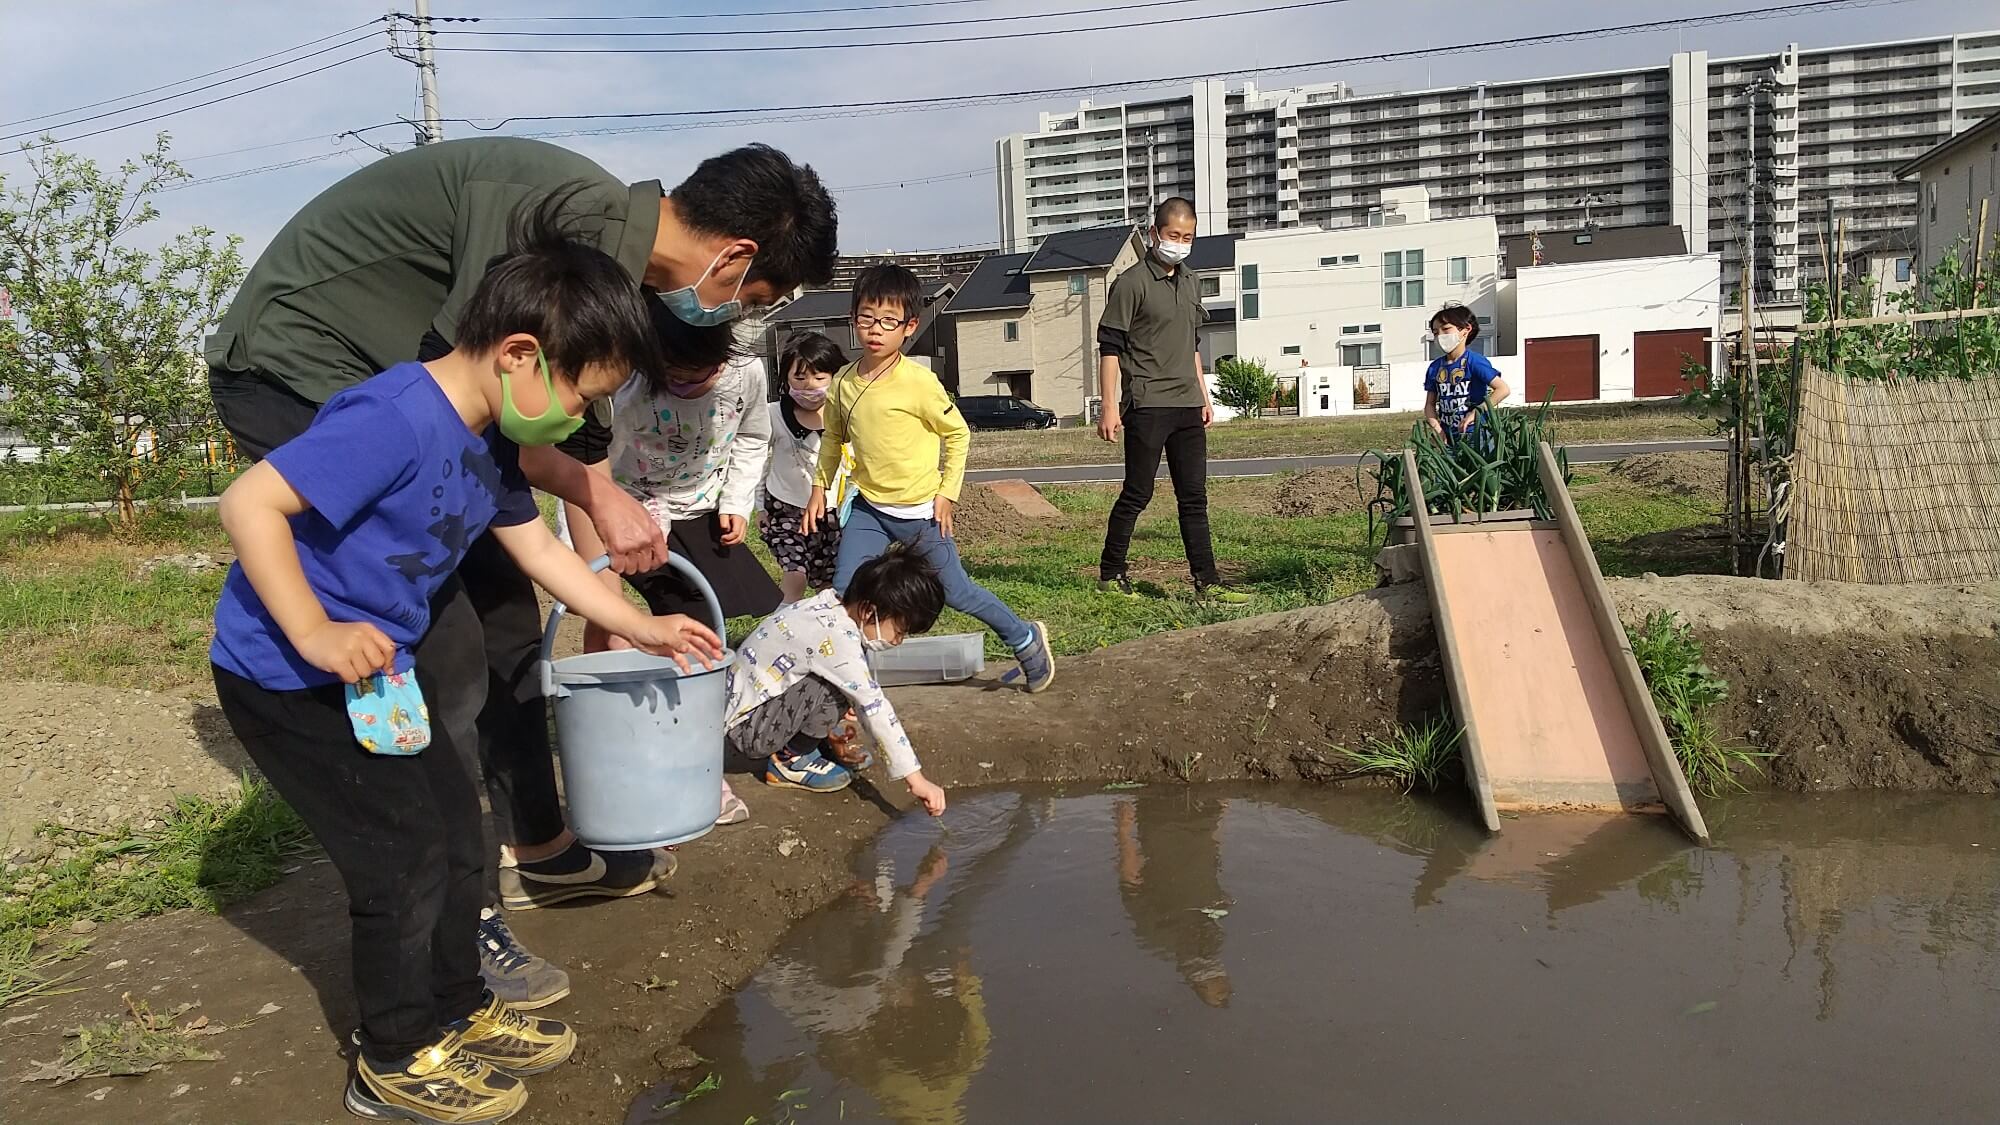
(904, 26)
(185, 81)
(197, 90)
(765, 114)
(997, 36)
(212, 101)
(711, 15)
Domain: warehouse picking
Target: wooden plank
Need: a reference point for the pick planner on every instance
(1470, 750)
(1900, 318)
(1667, 776)
(1553, 726)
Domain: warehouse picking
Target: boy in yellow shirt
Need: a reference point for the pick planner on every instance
(901, 424)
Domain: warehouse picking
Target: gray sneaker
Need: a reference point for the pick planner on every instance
(1038, 660)
(514, 974)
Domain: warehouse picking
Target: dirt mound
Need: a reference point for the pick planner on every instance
(89, 756)
(984, 517)
(1319, 492)
(1699, 474)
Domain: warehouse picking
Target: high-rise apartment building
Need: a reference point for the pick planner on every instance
(1664, 144)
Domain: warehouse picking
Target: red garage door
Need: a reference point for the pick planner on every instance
(1563, 368)
(1658, 357)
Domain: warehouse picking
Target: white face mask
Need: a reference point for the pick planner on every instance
(876, 643)
(1172, 253)
(1447, 342)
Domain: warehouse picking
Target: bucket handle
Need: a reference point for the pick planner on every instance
(546, 667)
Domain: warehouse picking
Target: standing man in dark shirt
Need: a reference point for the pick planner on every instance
(1150, 379)
(374, 272)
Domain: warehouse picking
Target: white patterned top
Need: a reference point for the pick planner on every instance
(816, 637)
(682, 457)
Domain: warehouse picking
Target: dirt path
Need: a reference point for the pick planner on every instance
(1847, 686)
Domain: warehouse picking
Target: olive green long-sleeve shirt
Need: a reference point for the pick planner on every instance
(349, 286)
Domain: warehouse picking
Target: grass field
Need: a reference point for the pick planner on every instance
(82, 601)
(1294, 437)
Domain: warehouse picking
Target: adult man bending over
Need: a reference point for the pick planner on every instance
(374, 272)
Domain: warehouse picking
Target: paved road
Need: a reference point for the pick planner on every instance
(1266, 466)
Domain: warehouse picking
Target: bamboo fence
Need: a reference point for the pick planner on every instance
(1895, 482)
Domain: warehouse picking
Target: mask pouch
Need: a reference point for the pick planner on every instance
(388, 714)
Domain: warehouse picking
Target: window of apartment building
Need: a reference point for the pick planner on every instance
(1246, 284)
(1290, 349)
(1211, 287)
(1456, 271)
(1350, 330)
(1402, 279)
(1011, 331)
(1360, 355)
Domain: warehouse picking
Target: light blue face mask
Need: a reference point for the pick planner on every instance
(686, 304)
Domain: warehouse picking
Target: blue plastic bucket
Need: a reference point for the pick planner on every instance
(641, 740)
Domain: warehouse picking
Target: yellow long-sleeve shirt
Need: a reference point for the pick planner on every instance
(909, 440)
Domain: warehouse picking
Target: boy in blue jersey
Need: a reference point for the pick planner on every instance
(343, 536)
(1461, 380)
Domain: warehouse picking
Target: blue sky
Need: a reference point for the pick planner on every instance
(55, 56)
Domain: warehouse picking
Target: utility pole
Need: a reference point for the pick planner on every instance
(1752, 396)
(431, 129)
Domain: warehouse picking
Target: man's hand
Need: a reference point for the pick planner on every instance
(1437, 427)
(1108, 423)
(678, 636)
(815, 511)
(734, 528)
(352, 650)
(942, 510)
(631, 537)
(927, 793)
(1207, 415)
(1465, 427)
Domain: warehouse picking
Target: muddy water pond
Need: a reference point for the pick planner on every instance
(1286, 954)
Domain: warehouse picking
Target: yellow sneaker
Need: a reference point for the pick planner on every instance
(501, 1036)
(440, 1083)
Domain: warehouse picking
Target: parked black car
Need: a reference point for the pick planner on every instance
(1004, 412)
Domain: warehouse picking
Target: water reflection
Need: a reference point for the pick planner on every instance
(1009, 966)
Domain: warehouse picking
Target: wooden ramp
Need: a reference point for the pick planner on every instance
(1542, 678)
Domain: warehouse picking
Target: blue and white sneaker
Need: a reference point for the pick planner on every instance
(1038, 660)
(810, 771)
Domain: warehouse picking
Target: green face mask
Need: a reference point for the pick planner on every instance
(550, 427)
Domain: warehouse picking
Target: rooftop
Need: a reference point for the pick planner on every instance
(1989, 129)
(998, 283)
(1569, 247)
(1084, 249)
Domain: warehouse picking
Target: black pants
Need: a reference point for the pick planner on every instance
(1178, 432)
(404, 834)
(484, 636)
(742, 586)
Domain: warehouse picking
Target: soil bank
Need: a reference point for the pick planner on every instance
(1845, 686)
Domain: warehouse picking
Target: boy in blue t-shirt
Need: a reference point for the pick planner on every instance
(1461, 380)
(343, 535)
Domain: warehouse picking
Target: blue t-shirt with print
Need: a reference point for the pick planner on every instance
(1460, 385)
(398, 488)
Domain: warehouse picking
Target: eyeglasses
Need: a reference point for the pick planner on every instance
(885, 323)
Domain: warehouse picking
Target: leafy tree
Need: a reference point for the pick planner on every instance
(100, 363)
(1245, 385)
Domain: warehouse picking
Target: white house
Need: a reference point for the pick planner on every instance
(1956, 181)
(1361, 296)
(1613, 331)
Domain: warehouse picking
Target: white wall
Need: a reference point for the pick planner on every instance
(1406, 387)
(1612, 301)
(1308, 306)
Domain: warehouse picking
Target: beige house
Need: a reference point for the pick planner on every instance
(1027, 323)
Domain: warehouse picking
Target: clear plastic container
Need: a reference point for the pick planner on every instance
(931, 660)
